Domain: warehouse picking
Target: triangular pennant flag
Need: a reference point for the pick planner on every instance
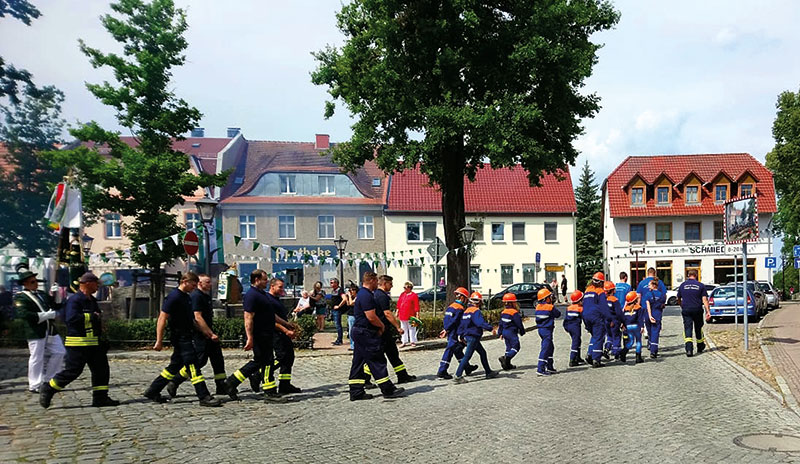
(236, 240)
(143, 248)
(160, 244)
(174, 238)
(256, 246)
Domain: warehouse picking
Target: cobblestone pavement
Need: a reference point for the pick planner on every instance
(674, 409)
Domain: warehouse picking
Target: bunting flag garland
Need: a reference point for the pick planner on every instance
(160, 244)
(143, 248)
(174, 238)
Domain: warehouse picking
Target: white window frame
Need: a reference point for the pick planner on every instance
(330, 185)
(718, 186)
(418, 269)
(421, 225)
(633, 196)
(551, 240)
(192, 224)
(503, 274)
(502, 230)
(477, 283)
(696, 194)
(480, 237)
(281, 225)
(658, 192)
(532, 268)
(114, 221)
(366, 228)
(514, 225)
(749, 186)
(288, 181)
(332, 225)
(245, 225)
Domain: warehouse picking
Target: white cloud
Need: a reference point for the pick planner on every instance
(725, 36)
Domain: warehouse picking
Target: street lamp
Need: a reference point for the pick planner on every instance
(467, 236)
(86, 242)
(206, 207)
(635, 252)
(341, 244)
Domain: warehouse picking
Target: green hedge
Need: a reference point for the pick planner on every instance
(433, 324)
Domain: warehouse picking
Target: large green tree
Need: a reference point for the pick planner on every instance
(449, 85)
(14, 81)
(589, 230)
(145, 181)
(29, 127)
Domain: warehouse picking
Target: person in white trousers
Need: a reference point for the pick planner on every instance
(47, 351)
(408, 307)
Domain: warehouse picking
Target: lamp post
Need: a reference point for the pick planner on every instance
(341, 244)
(635, 252)
(86, 242)
(467, 236)
(207, 207)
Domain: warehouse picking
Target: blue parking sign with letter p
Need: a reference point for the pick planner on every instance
(770, 262)
(796, 250)
(797, 263)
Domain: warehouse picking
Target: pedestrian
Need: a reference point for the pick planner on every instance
(450, 324)
(510, 329)
(614, 323)
(632, 320)
(318, 303)
(656, 300)
(642, 289)
(389, 343)
(177, 312)
(46, 349)
(564, 287)
(554, 289)
(471, 328)
(303, 305)
(337, 305)
(207, 344)
(282, 340)
(595, 314)
(261, 320)
(693, 299)
(408, 307)
(367, 334)
(572, 325)
(622, 287)
(546, 314)
(349, 299)
(83, 320)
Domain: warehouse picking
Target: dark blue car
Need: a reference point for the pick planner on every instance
(722, 302)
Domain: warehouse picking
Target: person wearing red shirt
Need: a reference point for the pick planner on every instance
(408, 307)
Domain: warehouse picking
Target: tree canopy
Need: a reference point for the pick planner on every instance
(589, 230)
(13, 81)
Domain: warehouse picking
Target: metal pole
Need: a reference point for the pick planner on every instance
(744, 264)
(435, 283)
(735, 290)
(208, 249)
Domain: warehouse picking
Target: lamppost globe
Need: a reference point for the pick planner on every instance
(467, 234)
(86, 242)
(207, 207)
(340, 244)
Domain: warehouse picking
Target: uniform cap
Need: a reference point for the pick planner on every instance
(576, 296)
(609, 285)
(543, 293)
(25, 275)
(510, 297)
(88, 277)
(631, 296)
(462, 291)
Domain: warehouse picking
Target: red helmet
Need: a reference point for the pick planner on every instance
(510, 297)
(543, 293)
(462, 291)
(609, 286)
(475, 297)
(631, 297)
(576, 296)
(599, 276)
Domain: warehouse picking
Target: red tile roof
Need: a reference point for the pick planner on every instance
(678, 167)
(205, 149)
(494, 191)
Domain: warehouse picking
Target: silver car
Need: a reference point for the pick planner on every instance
(773, 299)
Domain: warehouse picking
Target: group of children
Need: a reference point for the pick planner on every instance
(615, 327)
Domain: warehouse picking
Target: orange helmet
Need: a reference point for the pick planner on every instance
(543, 293)
(462, 291)
(631, 297)
(510, 297)
(599, 276)
(475, 297)
(609, 286)
(576, 296)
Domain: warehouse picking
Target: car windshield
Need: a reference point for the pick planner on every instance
(726, 292)
(764, 287)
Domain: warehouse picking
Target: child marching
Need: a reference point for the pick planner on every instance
(510, 329)
(572, 325)
(546, 314)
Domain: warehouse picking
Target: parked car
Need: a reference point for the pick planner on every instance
(773, 299)
(722, 302)
(427, 295)
(672, 295)
(525, 292)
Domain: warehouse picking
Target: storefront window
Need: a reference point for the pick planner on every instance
(724, 270)
(664, 272)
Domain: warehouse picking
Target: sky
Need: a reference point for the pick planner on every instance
(674, 77)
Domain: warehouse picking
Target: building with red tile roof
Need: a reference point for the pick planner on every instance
(672, 207)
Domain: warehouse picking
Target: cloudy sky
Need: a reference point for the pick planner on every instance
(674, 77)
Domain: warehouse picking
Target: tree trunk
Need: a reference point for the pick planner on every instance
(156, 282)
(452, 186)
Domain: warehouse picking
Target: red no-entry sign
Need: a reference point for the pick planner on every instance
(191, 243)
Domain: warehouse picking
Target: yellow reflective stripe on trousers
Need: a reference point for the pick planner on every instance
(239, 376)
(269, 385)
(687, 339)
(100, 388)
(357, 381)
(55, 385)
(701, 340)
(399, 368)
(183, 372)
(220, 376)
(383, 380)
(81, 341)
(87, 324)
(196, 376)
(167, 375)
(266, 375)
(284, 376)
(366, 370)
(198, 379)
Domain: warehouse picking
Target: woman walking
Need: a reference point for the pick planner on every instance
(408, 307)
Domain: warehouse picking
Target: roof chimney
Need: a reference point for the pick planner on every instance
(323, 142)
(198, 132)
(234, 131)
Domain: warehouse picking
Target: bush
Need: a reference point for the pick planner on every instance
(307, 326)
(432, 324)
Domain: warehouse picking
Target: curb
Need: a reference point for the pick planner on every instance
(788, 398)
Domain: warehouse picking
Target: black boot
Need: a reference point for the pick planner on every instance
(504, 363)
(272, 396)
(606, 355)
(404, 377)
(230, 387)
(100, 399)
(210, 402)
(46, 393)
(639, 358)
(573, 362)
(396, 393)
(589, 360)
(444, 375)
(221, 388)
(597, 364)
(654, 355)
(255, 382)
(172, 388)
(700, 347)
(285, 387)
(623, 357)
(154, 396)
(470, 368)
(579, 360)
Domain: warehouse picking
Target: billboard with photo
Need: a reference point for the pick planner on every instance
(741, 220)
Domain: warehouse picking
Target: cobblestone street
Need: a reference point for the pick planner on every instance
(674, 409)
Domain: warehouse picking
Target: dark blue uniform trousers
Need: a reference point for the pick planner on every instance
(183, 356)
(597, 327)
(654, 329)
(546, 351)
(368, 350)
(614, 338)
(454, 347)
(574, 331)
(512, 344)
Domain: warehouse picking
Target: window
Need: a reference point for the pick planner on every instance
(664, 232)
(376, 182)
(518, 231)
(720, 193)
(326, 185)
(745, 190)
(478, 226)
(638, 233)
(664, 272)
(285, 226)
(719, 231)
(498, 232)
(287, 184)
(693, 264)
(113, 225)
(506, 274)
(550, 231)
(662, 195)
(192, 221)
(415, 275)
(529, 273)
(247, 226)
(692, 232)
(638, 272)
(326, 227)
(691, 194)
(637, 196)
(366, 228)
(420, 231)
(475, 275)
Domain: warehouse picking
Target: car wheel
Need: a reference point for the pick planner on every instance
(673, 301)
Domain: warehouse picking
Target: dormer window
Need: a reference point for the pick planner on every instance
(745, 190)
(637, 196)
(287, 185)
(721, 193)
(662, 195)
(692, 194)
(326, 185)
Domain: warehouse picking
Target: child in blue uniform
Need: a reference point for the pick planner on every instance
(655, 301)
(546, 314)
(632, 321)
(510, 329)
(572, 325)
(613, 324)
(471, 328)
(595, 315)
(452, 319)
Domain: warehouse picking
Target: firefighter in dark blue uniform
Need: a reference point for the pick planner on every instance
(389, 342)
(510, 329)
(82, 316)
(546, 314)
(654, 304)
(366, 332)
(595, 314)
(614, 323)
(452, 319)
(693, 298)
(572, 325)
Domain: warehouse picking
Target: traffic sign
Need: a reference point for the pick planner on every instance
(437, 249)
(538, 257)
(191, 243)
(796, 251)
(797, 263)
(770, 262)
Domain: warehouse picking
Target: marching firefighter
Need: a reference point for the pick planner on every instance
(595, 314)
(693, 299)
(613, 329)
(82, 316)
(452, 319)
(471, 328)
(632, 321)
(510, 329)
(546, 314)
(655, 301)
(572, 325)
(389, 344)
